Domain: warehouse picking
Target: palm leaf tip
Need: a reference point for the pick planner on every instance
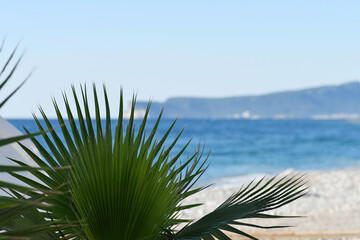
(8, 69)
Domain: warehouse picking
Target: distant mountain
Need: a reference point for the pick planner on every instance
(342, 101)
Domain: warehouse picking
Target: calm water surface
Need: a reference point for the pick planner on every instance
(263, 146)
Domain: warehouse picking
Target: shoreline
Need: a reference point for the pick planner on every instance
(331, 205)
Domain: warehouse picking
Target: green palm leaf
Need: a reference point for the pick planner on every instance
(12, 209)
(248, 202)
(7, 71)
(126, 183)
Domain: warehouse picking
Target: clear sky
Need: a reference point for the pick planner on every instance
(161, 49)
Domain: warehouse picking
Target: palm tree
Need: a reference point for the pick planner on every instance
(98, 183)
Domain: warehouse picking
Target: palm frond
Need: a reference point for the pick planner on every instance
(128, 178)
(126, 182)
(249, 202)
(15, 206)
(20, 217)
(8, 70)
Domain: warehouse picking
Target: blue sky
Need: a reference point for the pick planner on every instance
(161, 49)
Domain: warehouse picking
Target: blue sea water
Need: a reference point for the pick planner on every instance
(240, 147)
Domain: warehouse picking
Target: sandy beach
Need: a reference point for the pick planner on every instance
(331, 209)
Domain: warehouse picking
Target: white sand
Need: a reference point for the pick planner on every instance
(331, 207)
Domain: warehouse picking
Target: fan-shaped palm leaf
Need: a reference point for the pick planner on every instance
(127, 183)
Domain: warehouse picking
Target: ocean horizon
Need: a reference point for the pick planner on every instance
(239, 147)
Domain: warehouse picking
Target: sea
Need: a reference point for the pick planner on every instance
(240, 147)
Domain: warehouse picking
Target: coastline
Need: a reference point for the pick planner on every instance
(332, 204)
